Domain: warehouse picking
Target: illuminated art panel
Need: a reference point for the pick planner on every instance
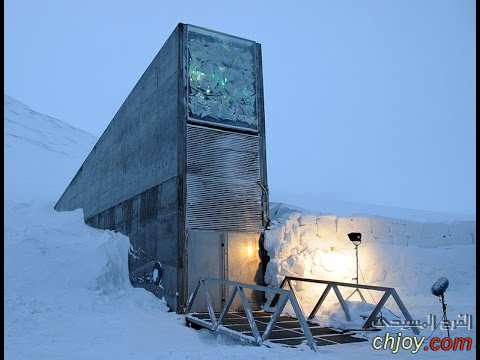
(222, 79)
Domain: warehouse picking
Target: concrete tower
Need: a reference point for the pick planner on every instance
(181, 168)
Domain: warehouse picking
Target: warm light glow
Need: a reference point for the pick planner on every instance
(337, 265)
(248, 250)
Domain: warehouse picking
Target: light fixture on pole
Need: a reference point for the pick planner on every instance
(438, 289)
(356, 239)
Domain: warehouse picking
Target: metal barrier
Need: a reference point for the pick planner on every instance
(282, 296)
(335, 285)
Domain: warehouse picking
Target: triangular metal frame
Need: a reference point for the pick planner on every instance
(238, 288)
(335, 286)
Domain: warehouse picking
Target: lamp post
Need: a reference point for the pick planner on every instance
(438, 289)
(356, 239)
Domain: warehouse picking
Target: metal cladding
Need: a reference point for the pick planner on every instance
(223, 176)
(182, 161)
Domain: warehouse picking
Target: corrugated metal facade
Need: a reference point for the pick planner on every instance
(224, 189)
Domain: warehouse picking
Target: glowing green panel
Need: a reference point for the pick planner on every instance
(222, 79)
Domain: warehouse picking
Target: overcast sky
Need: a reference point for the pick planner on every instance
(365, 101)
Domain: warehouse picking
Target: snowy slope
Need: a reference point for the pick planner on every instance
(42, 154)
(67, 293)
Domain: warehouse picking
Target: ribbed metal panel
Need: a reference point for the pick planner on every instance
(223, 175)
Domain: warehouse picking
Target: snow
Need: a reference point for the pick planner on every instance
(38, 145)
(67, 293)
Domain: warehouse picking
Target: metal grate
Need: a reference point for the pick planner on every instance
(223, 177)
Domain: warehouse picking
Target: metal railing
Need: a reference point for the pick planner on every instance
(335, 286)
(282, 297)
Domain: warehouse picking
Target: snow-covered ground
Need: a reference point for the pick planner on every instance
(67, 293)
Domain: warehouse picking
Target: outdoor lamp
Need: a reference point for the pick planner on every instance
(355, 238)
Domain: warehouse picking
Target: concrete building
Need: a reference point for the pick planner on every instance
(181, 168)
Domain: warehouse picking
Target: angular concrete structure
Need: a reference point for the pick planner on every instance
(181, 168)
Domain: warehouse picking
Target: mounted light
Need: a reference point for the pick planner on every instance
(355, 238)
(248, 250)
(438, 289)
(157, 273)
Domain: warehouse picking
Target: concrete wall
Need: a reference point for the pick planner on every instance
(139, 148)
(150, 219)
(131, 182)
